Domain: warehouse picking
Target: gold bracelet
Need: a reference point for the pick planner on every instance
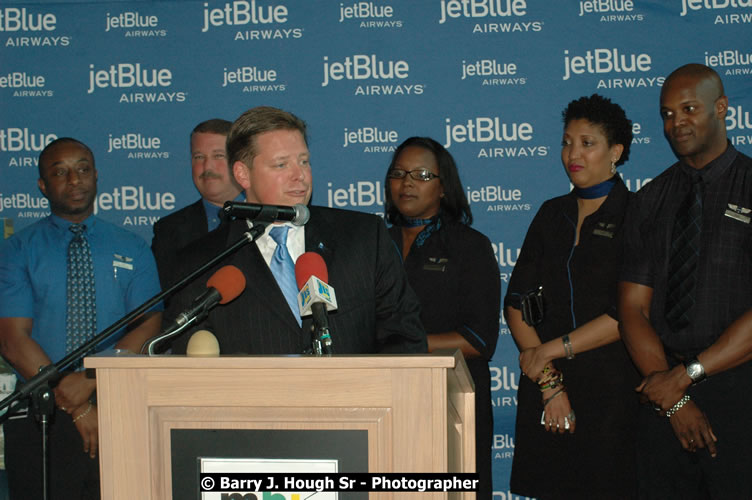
(86, 412)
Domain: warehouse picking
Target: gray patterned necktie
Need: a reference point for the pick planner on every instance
(81, 321)
(684, 258)
(284, 270)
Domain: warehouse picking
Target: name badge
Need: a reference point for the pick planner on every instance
(604, 229)
(739, 213)
(122, 261)
(436, 264)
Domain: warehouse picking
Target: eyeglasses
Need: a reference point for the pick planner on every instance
(418, 174)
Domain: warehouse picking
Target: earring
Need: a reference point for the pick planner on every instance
(613, 167)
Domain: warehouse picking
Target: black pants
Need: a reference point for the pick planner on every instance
(668, 472)
(72, 474)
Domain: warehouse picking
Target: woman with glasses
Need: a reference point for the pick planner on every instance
(577, 407)
(450, 266)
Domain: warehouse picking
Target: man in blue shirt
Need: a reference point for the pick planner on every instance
(215, 183)
(35, 322)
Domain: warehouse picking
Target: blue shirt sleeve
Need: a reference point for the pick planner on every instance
(16, 296)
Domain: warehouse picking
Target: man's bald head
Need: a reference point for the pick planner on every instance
(693, 108)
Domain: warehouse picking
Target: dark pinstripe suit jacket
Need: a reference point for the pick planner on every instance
(377, 309)
(173, 232)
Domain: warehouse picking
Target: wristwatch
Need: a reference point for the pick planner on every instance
(695, 371)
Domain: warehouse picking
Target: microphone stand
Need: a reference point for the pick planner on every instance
(321, 338)
(37, 388)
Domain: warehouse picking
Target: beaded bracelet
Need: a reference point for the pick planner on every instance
(553, 383)
(670, 412)
(551, 380)
(86, 412)
(548, 374)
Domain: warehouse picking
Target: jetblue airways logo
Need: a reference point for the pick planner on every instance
(487, 67)
(126, 75)
(373, 139)
(364, 68)
(25, 85)
(486, 129)
(731, 62)
(362, 10)
(130, 20)
(358, 194)
(492, 72)
(738, 119)
(134, 24)
(690, 5)
(241, 13)
(600, 61)
(13, 19)
(369, 15)
(137, 146)
(35, 29)
(453, 9)
(610, 10)
(14, 140)
(605, 6)
(137, 80)
(253, 79)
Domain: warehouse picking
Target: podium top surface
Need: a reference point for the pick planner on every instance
(110, 359)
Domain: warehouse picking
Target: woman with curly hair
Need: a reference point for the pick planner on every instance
(576, 401)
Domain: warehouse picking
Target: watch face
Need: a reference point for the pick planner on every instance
(694, 370)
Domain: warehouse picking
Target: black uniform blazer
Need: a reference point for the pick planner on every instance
(173, 232)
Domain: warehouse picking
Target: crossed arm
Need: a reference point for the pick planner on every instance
(535, 355)
(73, 391)
(663, 386)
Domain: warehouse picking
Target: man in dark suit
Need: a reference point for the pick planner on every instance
(213, 180)
(377, 310)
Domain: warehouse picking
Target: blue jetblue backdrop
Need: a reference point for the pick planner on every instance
(487, 78)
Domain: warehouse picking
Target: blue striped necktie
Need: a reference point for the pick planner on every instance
(81, 320)
(283, 270)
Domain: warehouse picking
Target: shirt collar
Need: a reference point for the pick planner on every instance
(212, 211)
(63, 225)
(715, 168)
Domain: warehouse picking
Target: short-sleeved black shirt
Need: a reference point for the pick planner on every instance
(724, 275)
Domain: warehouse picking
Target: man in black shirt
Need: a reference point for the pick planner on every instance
(707, 332)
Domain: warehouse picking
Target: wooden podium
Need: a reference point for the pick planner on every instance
(418, 411)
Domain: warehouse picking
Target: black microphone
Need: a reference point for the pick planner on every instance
(297, 214)
(224, 286)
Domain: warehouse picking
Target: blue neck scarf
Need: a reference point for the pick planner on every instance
(596, 191)
(413, 222)
(432, 225)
